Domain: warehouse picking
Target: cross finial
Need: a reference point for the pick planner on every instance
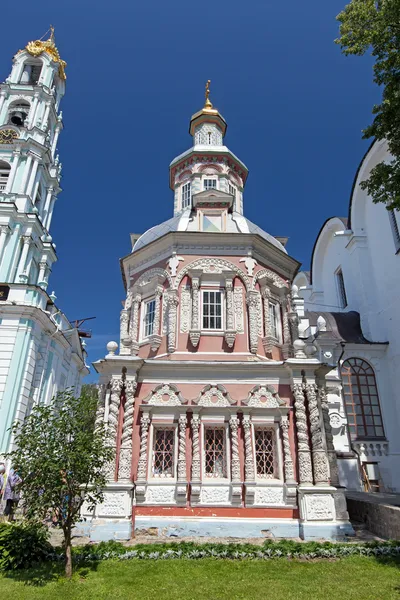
(52, 34)
(207, 103)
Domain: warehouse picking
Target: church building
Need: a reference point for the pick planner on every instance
(40, 350)
(215, 405)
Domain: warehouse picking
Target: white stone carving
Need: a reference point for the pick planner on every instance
(332, 458)
(214, 495)
(161, 494)
(214, 395)
(212, 265)
(173, 263)
(270, 276)
(238, 309)
(165, 394)
(304, 454)
(235, 461)
(144, 432)
(149, 275)
(134, 324)
(268, 496)
(249, 263)
(287, 455)
(248, 450)
(185, 318)
(125, 458)
(113, 410)
(195, 448)
(319, 454)
(230, 333)
(264, 396)
(253, 303)
(172, 299)
(319, 507)
(113, 505)
(182, 448)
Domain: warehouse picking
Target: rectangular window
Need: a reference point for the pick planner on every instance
(395, 229)
(274, 318)
(212, 310)
(186, 195)
(232, 190)
(215, 452)
(265, 452)
(210, 184)
(149, 314)
(341, 289)
(163, 453)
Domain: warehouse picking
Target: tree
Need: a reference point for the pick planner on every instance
(375, 25)
(61, 453)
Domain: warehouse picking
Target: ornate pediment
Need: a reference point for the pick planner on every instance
(214, 395)
(263, 396)
(165, 394)
(212, 197)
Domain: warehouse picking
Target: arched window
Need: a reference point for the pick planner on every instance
(4, 173)
(31, 72)
(361, 399)
(18, 112)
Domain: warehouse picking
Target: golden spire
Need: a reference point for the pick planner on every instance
(208, 103)
(37, 47)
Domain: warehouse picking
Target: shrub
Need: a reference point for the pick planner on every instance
(22, 545)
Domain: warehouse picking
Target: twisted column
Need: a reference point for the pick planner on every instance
(332, 458)
(112, 421)
(319, 456)
(195, 448)
(287, 455)
(248, 448)
(304, 454)
(234, 424)
(144, 433)
(182, 448)
(101, 404)
(125, 457)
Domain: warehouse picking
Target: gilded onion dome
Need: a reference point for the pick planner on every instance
(37, 47)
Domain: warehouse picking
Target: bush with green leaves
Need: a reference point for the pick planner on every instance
(23, 545)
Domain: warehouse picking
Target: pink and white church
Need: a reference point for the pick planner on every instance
(215, 403)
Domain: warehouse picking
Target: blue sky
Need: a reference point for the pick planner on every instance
(295, 109)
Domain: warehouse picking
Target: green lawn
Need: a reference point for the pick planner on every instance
(352, 578)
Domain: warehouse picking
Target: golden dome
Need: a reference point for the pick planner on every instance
(37, 47)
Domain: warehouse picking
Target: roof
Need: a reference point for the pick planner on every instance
(342, 326)
(236, 223)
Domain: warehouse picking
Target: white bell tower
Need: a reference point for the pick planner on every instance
(30, 123)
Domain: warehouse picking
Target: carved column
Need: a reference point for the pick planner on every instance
(319, 455)
(4, 231)
(113, 416)
(287, 455)
(235, 461)
(230, 332)
(22, 276)
(155, 338)
(134, 324)
(304, 454)
(101, 403)
(181, 491)
(253, 303)
(248, 450)
(332, 458)
(125, 455)
(268, 340)
(194, 333)
(195, 449)
(172, 313)
(285, 327)
(124, 336)
(144, 433)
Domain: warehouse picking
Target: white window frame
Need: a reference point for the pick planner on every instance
(341, 288)
(215, 425)
(186, 199)
(208, 179)
(268, 424)
(276, 307)
(144, 305)
(394, 225)
(160, 425)
(218, 330)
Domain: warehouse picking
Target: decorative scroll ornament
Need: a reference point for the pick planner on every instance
(332, 458)
(134, 325)
(37, 47)
(195, 333)
(234, 424)
(173, 263)
(230, 333)
(249, 263)
(214, 395)
(212, 265)
(264, 396)
(149, 275)
(165, 394)
(7, 136)
(238, 309)
(185, 319)
(173, 302)
(271, 277)
(144, 432)
(320, 459)
(248, 449)
(289, 470)
(182, 448)
(253, 304)
(304, 454)
(195, 448)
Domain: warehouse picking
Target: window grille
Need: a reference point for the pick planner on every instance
(163, 453)
(395, 229)
(186, 195)
(150, 310)
(361, 399)
(265, 453)
(341, 289)
(212, 310)
(210, 184)
(215, 452)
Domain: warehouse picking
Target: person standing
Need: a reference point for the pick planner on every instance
(11, 494)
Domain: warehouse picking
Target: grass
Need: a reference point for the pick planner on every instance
(353, 578)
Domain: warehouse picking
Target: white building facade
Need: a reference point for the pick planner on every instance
(40, 351)
(348, 304)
